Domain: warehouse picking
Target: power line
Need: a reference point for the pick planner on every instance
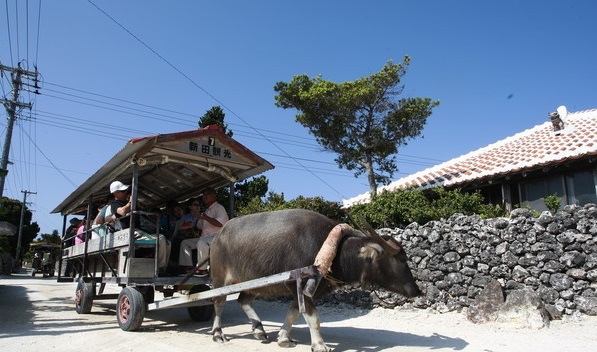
(214, 98)
(38, 29)
(87, 126)
(168, 118)
(18, 26)
(155, 108)
(13, 107)
(91, 127)
(27, 29)
(164, 114)
(154, 115)
(50, 161)
(9, 34)
(294, 140)
(17, 29)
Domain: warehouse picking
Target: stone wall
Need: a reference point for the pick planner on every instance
(553, 255)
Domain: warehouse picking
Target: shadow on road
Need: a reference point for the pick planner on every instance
(23, 298)
(341, 338)
(15, 308)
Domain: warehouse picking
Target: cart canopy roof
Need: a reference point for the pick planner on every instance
(171, 167)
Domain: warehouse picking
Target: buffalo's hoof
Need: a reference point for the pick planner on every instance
(286, 343)
(219, 337)
(321, 348)
(260, 335)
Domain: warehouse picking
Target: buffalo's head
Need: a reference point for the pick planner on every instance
(388, 265)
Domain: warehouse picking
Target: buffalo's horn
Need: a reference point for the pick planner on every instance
(327, 253)
(389, 246)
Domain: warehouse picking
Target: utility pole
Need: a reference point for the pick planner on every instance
(13, 106)
(17, 265)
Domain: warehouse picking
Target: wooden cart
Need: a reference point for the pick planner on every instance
(160, 168)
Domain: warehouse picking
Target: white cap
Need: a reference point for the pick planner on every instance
(118, 186)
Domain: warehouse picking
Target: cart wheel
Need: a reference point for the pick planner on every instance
(200, 313)
(130, 309)
(84, 296)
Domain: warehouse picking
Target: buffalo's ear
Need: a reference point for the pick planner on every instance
(370, 251)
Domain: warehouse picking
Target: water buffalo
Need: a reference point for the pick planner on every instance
(262, 244)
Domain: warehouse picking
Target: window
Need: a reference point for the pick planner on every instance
(575, 188)
(581, 188)
(534, 192)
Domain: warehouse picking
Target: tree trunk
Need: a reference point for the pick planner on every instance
(371, 179)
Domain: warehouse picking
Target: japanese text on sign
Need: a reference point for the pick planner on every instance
(209, 150)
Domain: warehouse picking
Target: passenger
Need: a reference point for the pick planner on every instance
(80, 237)
(186, 223)
(103, 222)
(71, 232)
(105, 212)
(121, 205)
(169, 218)
(36, 260)
(183, 227)
(121, 208)
(211, 221)
(69, 240)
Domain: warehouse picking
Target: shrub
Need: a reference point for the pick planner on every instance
(388, 209)
(402, 207)
(490, 211)
(318, 204)
(392, 209)
(552, 203)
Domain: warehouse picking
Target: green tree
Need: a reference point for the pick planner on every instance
(362, 121)
(12, 213)
(248, 190)
(273, 201)
(53, 237)
(215, 116)
(276, 201)
(330, 209)
(245, 193)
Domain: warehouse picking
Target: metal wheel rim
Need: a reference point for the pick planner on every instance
(78, 297)
(125, 309)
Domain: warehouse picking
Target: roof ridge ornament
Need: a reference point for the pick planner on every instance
(557, 119)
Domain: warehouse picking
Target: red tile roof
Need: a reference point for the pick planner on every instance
(536, 147)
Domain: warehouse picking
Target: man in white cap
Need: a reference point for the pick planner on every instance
(121, 208)
(121, 205)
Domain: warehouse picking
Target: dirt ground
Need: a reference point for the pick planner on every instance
(37, 314)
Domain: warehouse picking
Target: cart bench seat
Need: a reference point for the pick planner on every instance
(110, 242)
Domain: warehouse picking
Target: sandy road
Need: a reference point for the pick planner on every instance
(37, 314)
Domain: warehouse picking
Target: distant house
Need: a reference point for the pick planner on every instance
(556, 157)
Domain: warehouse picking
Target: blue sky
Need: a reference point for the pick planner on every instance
(113, 70)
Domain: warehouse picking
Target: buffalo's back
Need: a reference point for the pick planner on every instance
(262, 244)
